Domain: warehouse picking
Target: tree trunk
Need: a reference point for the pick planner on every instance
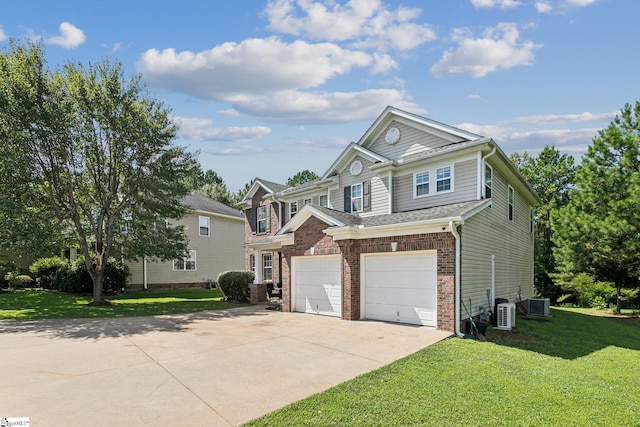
(618, 298)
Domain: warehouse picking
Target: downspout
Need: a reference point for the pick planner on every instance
(144, 274)
(493, 284)
(482, 173)
(457, 294)
(390, 192)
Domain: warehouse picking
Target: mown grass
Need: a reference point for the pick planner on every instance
(575, 369)
(52, 305)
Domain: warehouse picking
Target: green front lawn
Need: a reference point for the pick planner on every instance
(51, 305)
(575, 370)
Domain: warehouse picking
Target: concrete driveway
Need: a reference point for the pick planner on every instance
(216, 368)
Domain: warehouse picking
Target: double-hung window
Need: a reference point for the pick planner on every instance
(488, 181)
(443, 179)
(307, 201)
(511, 199)
(293, 209)
(422, 183)
(356, 197)
(204, 225)
(263, 219)
(324, 201)
(185, 264)
(267, 267)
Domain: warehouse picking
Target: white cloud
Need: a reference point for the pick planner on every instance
(200, 129)
(3, 35)
(503, 4)
(252, 66)
(300, 107)
(270, 78)
(579, 3)
(363, 23)
(475, 97)
(543, 7)
(499, 48)
(566, 118)
(70, 36)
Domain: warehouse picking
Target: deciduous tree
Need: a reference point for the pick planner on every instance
(95, 154)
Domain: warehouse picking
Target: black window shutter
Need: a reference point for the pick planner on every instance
(268, 220)
(252, 218)
(347, 198)
(366, 196)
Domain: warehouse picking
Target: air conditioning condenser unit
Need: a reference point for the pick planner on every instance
(538, 306)
(506, 316)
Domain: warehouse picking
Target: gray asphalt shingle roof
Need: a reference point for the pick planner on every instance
(200, 202)
(429, 214)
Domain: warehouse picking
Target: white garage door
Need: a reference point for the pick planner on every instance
(401, 287)
(316, 284)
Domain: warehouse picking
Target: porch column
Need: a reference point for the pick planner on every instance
(258, 267)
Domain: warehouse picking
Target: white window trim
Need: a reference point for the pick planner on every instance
(450, 178)
(264, 220)
(265, 268)
(487, 167)
(291, 211)
(200, 226)
(357, 198)
(190, 258)
(415, 184)
(433, 181)
(326, 205)
(511, 213)
(308, 201)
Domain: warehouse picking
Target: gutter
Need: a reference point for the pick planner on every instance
(457, 293)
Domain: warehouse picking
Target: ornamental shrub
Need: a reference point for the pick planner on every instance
(235, 284)
(45, 269)
(15, 280)
(74, 277)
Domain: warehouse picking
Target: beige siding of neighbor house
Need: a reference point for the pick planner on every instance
(412, 141)
(465, 182)
(379, 188)
(488, 233)
(221, 251)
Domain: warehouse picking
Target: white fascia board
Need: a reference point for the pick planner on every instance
(351, 148)
(419, 227)
(267, 244)
(304, 214)
(285, 239)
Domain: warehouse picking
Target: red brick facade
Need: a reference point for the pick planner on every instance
(251, 234)
(310, 235)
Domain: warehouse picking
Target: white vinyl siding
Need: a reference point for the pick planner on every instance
(487, 233)
(379, 189)
(412, 141)
(215, 255)
(464, 185)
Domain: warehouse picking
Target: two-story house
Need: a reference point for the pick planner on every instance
(405, 226)
(215, 233)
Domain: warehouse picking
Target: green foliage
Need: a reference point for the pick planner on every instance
(93, 155)
(18, 281)
(73, 277)
(55, 305)
(598, 231)
(301, 178)
(45, 269)
(235, 284)
(551, 175)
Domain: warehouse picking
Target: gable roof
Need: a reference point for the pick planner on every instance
(269, 186)
(353, 149)
(200, 202)
(450, 133)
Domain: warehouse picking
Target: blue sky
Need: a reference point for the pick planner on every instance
(270, 88)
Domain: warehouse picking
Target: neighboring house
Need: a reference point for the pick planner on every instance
(406, 225)
(215, 234)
